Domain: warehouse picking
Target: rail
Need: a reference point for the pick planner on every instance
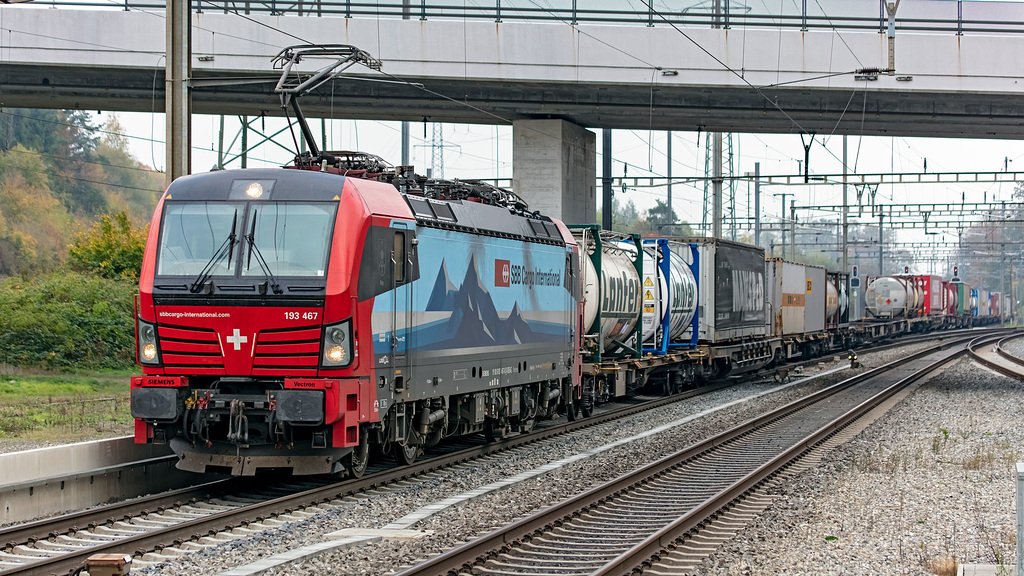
(998, 359)
(987, 19)
(14, 536)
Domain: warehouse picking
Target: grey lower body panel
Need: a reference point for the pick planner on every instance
(434, 374)
(241, 461)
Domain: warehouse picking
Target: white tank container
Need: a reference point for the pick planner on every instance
(616, 294)
(891, 297)
(684, 291)
(844, 299)
(680, 287)
(654, 289)
(832, 304)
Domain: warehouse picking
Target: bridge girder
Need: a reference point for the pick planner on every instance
(597, 76)
(625, 106)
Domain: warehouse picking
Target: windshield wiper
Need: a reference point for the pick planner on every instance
(254, 249)
(224, 250)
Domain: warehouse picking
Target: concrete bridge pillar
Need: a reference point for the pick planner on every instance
(554, 168)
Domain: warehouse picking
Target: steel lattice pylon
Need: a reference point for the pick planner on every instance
(437, 151)
(728, 190)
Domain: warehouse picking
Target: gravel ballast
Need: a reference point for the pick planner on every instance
(930, 485)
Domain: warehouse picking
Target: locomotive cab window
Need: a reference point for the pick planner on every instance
(292, 238)
(228, 239)
(195, 235)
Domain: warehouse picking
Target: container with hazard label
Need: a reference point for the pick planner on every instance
(798, 294)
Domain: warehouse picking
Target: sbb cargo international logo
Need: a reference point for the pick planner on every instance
(502, 273)
(508, 274)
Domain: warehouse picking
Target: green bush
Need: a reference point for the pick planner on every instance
(67, 320)
(112, 249)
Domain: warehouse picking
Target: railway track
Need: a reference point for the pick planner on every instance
(995, 357)
(191, 518)
(630, 524)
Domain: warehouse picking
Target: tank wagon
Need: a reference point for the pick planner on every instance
(639, 298)
(837, 302)
(893, 297)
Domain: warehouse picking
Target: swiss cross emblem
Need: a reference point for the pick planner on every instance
(237, 339)
(502, 272)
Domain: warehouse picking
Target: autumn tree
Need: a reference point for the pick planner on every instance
(33, 222)
(112, 249)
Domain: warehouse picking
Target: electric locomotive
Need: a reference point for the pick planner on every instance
(291, 318)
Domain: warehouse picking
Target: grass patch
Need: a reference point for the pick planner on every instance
(63, 407)
(980, 459)
(943, 566)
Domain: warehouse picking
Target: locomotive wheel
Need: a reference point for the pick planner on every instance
(572, 405)
(528, 420)
(571, 410)
(528, 424)
(359, 458)
(407, 454)
(434, 438)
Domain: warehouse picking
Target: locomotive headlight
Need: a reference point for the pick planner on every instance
(254, 190)
(337, 345)
(336, 354)
(245, 189)
(149, 353)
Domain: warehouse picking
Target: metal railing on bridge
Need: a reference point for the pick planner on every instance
(932, 17)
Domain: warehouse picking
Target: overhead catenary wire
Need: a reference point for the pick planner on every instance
(83, 161)
(8, 112)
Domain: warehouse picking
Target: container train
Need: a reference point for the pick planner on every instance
(295, 319)
(291, 319)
